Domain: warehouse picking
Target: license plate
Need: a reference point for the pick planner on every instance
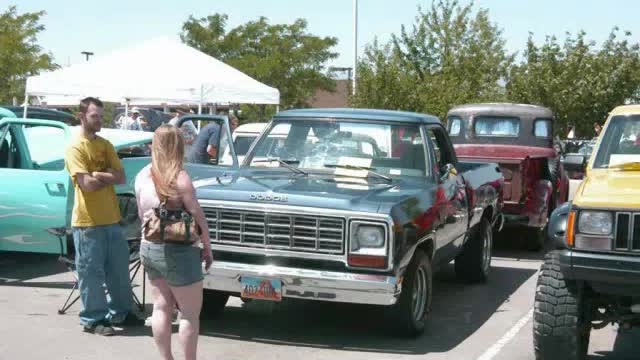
(260, 288)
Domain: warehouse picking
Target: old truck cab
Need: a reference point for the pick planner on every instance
(593, 278)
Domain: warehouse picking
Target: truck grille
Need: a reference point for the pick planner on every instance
(627, 231)
(304, 233)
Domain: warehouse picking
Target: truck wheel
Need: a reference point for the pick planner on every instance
(474, 262)
(409, 314)
(213, 303)
(561, 326)
(536, 238)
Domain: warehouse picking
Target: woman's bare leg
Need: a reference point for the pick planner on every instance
(189, 299)
(163, 305)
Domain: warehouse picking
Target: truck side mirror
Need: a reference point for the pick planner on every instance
(574, 162)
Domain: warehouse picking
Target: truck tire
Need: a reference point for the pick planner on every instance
(408, 316)
(561, 328)
(473, 264)
(213, 303)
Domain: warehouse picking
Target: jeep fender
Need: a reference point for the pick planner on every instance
(557, 226)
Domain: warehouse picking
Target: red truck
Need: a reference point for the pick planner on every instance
(519, 138)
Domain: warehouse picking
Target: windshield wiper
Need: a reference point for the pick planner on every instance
(628, 166)
(354, 167)
(284, 163)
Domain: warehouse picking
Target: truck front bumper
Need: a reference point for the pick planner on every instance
(308, 284)
(614, 274)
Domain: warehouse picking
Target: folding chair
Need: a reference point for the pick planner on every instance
(68, 260)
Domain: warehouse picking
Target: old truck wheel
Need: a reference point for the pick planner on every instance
(409, 314)
(213, 303)
(561, 326)
(474, 263)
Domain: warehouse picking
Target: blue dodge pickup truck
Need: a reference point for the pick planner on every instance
(347, 205)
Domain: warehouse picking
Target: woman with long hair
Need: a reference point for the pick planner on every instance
(174, 269)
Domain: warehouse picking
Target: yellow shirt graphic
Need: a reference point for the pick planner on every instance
(92, 208)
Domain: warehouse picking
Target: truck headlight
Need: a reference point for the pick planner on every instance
(595, 222)
(366, 235)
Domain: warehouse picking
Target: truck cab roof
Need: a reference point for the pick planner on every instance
(359, 114)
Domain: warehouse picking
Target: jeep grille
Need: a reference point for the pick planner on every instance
(627, 231)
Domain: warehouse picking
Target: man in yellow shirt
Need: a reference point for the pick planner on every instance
(102, 253)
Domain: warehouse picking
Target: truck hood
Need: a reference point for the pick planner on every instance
(609, 188)
(319, 191)
(501, 152)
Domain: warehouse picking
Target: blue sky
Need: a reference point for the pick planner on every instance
(75, 26)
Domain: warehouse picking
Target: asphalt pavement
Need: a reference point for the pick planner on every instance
(485, 321)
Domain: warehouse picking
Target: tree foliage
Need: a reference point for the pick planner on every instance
(284, 56)
(578, 80)
(450, 56)
(20, 54)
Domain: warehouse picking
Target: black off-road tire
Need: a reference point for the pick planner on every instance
(561, 328)
(404, 317)
(474, 263)
(213, 303)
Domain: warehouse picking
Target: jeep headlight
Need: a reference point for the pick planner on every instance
(595, 222)
(368, 238)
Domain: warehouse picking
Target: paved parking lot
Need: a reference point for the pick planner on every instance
(491, 321)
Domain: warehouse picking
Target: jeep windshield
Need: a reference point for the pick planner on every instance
(330, 145)
(620, 144)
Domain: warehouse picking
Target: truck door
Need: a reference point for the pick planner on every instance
(33, 184)
(450, 195)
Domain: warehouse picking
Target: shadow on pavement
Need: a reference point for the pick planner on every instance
(624, 348)
(458, 311)
(18, 268)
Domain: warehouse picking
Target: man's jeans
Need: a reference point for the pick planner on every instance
(102, 257)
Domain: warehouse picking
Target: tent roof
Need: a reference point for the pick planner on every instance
(159, 70)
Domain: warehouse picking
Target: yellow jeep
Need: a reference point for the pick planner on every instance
(592, 279)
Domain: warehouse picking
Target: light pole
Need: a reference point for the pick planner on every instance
(86, 54)
(355, 44)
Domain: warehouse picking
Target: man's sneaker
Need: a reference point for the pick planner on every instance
(101, 327)
(131, 320)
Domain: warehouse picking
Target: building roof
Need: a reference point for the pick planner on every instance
(626, 109)
(359, 114)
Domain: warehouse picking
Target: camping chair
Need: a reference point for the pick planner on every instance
(68, 260)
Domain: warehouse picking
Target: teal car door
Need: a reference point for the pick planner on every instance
(34, 185)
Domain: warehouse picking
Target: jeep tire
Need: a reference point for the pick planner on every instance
(213, 303)
(561, 326)
(408, 316)
(473, 264)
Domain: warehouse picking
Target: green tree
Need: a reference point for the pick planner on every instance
(452, 55)
(284, 56)
(20, 54)
(580, 82)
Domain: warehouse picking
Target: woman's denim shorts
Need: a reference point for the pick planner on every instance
(179, 264)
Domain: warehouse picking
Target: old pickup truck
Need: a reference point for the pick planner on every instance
(593, 278)
(519, 137)
(327, 215)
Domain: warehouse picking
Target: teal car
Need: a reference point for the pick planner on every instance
(36, 194)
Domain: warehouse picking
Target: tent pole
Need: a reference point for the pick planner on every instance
(26, 104)
(126, 114)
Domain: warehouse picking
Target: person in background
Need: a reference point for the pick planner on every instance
(174, 270)
(102, 252)
(205, 146)
(189, 130)
(596, 129)
(133, 122)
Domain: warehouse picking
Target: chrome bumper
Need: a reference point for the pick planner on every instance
(308, 284)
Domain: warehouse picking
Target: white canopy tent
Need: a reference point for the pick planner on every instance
(161, 70)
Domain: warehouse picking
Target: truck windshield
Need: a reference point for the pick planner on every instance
(620, 143)
(496, 126)
(388, 149)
